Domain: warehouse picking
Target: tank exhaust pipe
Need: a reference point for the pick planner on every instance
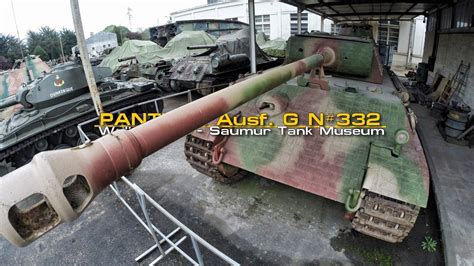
(56, 186)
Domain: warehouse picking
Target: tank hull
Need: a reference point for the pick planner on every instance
(330, 166)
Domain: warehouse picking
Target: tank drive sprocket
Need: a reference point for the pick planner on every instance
(199, 155)
(385, 218)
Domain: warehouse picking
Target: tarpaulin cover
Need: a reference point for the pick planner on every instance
(261, 38)
(178, 47)
(276, 47)
(150, 52)
(128, 49)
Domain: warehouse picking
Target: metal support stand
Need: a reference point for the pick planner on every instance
(253, 56)
(144, 200)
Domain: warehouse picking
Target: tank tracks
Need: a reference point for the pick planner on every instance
(199, 155)
(6, 156)
(378, 217)
(384, 218)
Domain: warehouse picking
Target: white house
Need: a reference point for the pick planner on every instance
(99, 42)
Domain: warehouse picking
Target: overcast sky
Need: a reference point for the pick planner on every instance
(96, 14)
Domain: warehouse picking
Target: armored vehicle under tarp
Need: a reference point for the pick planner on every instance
(53, 106)
(218, 66)
(155, 65)
(371, 160)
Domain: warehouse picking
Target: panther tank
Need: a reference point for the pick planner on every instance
(377, 170)
(217, 67)
(53, 105)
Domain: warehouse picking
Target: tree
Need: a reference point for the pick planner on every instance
(47, 38)
(120, 31)
(10, 48)
(4, 63)
(39, 51)
(68, 37)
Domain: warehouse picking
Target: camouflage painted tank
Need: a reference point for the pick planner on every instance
(53, 106)
(382, 179)
(220, 65)
(24, 71)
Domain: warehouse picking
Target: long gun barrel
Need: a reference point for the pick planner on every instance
(7, 102)
(196, 47)
(127, 58)
(56, 186)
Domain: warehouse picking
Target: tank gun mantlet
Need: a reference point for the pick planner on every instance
(353, 57)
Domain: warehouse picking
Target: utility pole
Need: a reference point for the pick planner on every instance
(62, 49)
(253, 63)
(86, 64)
(129, 14)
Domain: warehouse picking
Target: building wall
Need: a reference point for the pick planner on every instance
(419, 29)
(428, 49)
(455, 42)
(452, 48)
(280, 23)
(98, 42)
(280, 26)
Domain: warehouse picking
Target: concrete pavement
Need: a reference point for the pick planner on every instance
(452, 178)
(255, 221)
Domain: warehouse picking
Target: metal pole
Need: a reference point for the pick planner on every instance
(253, 56)
(322, 24)
(86, 64)
(411, 40)
(298, 18)
(62, 49)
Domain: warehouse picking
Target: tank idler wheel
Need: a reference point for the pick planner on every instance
(199, 155)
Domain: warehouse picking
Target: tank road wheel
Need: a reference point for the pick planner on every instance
(5, 168)
(160, 77)
(199, 155)
(385, 218)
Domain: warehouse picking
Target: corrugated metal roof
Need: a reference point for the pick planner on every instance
(369, 10)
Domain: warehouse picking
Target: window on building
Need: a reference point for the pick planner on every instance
(388, 33)
(262, 24)
(294, 23)
(464, 15)
(232, 19)
(335, 28)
